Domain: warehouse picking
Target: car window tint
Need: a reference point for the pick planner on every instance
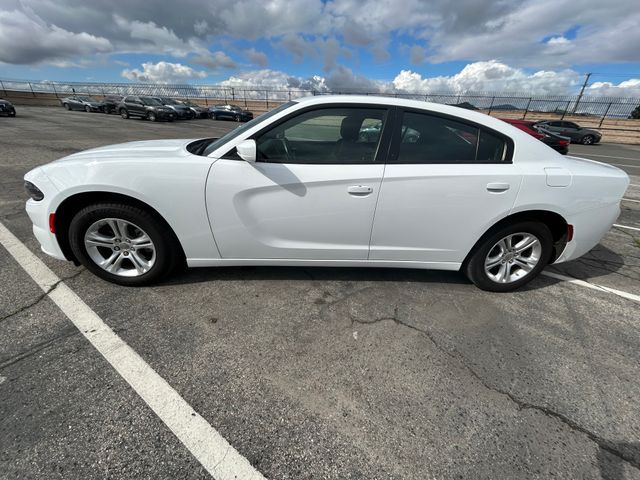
(491, 148)
(324, 136)
(432, 139)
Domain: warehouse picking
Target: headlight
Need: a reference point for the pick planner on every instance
(34, 192)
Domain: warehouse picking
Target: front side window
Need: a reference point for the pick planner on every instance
(325, 136)
(426, 138)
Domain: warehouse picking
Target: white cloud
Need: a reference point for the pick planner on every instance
(627, 88)
(25, 38)
(157, 39)
(256, 57)
(491, 76)
(163, 72)
(215, 60)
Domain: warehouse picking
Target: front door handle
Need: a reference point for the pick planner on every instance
(498, 187)
(359, 190)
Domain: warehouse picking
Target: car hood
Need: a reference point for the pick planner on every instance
(154, 149)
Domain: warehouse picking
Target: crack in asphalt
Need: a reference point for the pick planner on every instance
(40, 297)
(603, 443)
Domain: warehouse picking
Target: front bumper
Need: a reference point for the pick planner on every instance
(39, 214)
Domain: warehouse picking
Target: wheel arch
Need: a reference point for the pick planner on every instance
(76, 202)
(554, 221)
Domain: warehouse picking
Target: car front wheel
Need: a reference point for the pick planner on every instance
(122, 243)
(87, 109)
(124, 114)
(151, 116)
(510, 257)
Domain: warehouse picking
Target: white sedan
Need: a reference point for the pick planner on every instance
(329, 181)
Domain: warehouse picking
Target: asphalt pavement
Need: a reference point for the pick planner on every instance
(319, 372)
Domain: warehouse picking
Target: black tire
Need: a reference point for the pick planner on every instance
(87, 109)
(12, 114)
(214, 116)
(191, 116)
(588, 140)
(167, 248)
(66, 106)
(474, 267)
(151, 117)
(237, 118)
(124, 113)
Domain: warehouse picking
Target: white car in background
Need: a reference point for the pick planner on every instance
(438, 187)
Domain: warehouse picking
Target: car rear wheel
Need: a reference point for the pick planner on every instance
(510, 257)
(87, 109)
(151, 116)
(588, 139)
(214, 116)
(66, 106)
(123, 113)
(122, 243)
(237, 118)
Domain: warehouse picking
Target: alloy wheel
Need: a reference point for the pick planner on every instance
(513, 257)
(120, 247)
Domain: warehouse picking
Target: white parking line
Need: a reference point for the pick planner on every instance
(582, 283)
(624, 226)
(215, 454)
(630, 200)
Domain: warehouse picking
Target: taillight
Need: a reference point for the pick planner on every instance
(563, 143)
(52, 222)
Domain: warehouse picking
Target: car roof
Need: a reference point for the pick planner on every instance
(463, 113)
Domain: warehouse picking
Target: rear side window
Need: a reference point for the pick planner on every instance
(426, 138)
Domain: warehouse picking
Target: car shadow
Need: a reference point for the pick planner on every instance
(598, 262)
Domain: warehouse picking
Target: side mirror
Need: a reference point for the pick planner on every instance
(247, 150)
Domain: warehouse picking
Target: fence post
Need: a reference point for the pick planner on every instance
(605, 114)
(233, 94)
(526, 109)
(491, 105)
(565, 110)
(31, 88)
(266, 97)
(54, 90)
(3, 89)
(244, 94)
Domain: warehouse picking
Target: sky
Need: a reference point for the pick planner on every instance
(529, 46)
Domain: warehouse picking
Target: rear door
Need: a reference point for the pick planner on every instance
(445, 183)
(312, 193)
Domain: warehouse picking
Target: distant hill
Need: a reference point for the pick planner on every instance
(506, 106)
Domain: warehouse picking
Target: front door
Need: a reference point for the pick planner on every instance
(311, 194)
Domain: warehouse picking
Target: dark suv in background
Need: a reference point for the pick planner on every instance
(575, 132)
(145, 107)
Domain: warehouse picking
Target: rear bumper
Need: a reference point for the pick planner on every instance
(589, 227)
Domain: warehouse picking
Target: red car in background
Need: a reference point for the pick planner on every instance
(558, 143)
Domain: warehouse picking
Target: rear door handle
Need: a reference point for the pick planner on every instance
(359, 190)
(498, 187)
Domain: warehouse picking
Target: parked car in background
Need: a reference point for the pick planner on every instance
(7, 108)
(229, 112)
(111, 103)
(180, 109)
(145, 107)
(575, 132)
(198, 110)
(557, 142)
(82, 102)
(300, 186)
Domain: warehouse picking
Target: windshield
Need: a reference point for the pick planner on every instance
(170, 101)
(215, 144)
(86, 99)
(150, 101)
